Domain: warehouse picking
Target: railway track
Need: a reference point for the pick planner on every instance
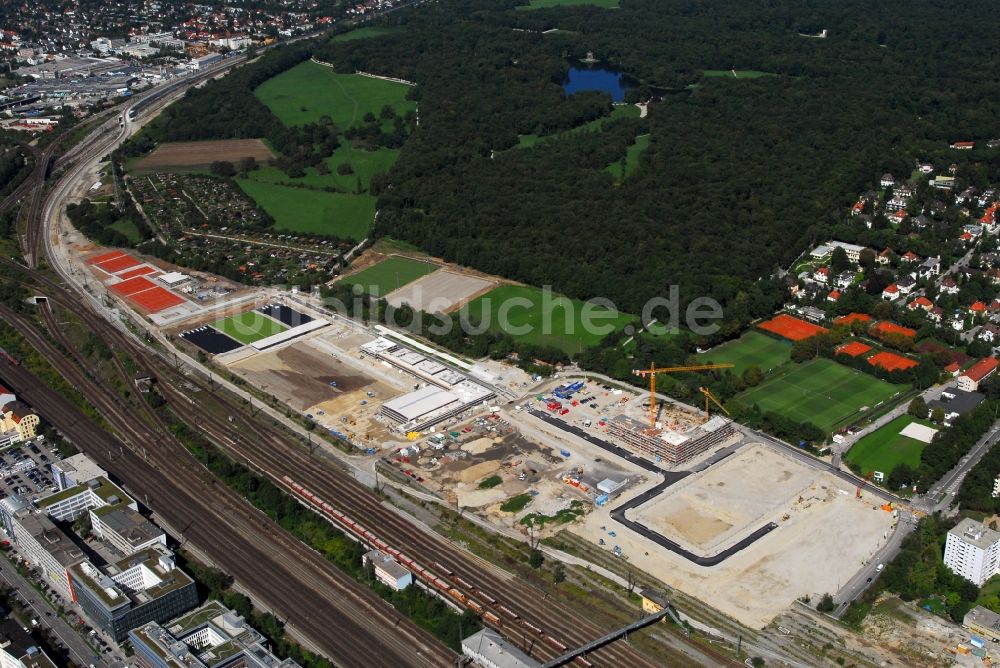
(225, 521)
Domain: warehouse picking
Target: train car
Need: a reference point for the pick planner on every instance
(475, 607)
(489, 599)
(457, 595)
(444, 569)
(490, 618)
(440, 584)
(463, 583)
(531, 627)
(510, 613)
(405, 560)
(552, 642)
(580, 661)
(8, 357)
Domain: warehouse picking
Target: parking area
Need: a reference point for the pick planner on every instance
(24, 468)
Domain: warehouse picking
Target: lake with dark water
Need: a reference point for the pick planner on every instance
(596, 78)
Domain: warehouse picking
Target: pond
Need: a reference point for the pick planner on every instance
(596, 78)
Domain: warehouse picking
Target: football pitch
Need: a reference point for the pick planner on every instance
(885, 448)
(822, 392)
(309, 91)
(249, 327)
(390, 274)
(752, 349)
(529, 319)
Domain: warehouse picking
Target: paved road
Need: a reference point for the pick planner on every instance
(941, 496)
(67, 635)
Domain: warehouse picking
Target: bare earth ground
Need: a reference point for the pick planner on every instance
(708, 511)
(203, 153)
(440, 291)
(823, 542)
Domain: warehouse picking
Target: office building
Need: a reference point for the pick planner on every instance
(68, 504)
(210, 637)
(44, 545)
(125, 529)
(75, 470)
(18, 649)
(972, 551)
(144, 587)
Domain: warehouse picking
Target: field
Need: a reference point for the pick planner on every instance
(195, 155)
(619, 111)
(738, 74)
(440, 292)
(364, 163)
(546, 4)
(310, 91)
(557, 324)
(751, 349)
(313, 211)
(364, 33)
(249, 327)
(820, 391)
(622, 169)
(885, 448)
(390, 274)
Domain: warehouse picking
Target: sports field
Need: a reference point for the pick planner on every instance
(313, 211)
(752, 349)
(545, 4)
(885, 448)
(558, 323)
(249, 327)
(390, 274)
(822, 392)
(622, 169)
(309, 91)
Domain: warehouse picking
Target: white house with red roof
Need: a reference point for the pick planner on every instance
(890, 293)
(920, 302)
(833, 296)
(969, 380)
(822, 275)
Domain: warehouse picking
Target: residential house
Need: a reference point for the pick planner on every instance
(949, 286)
(833, 296)
(890, 293)
(966, 196)
(942, 182)
(822, 275)
(953, 369)
(925, 168)
(897, 203)
(903, 190)
(922, 222)
(921, 303)
(885, 257)
(936, 314)
(844, 279)
(929, 267)
(887, 180)
(977, 308)
(897, 217)
(910, 256)
(906, 284)
(989, 333)
(969, 380)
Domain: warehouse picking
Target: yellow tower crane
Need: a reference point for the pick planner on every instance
(709, 395)
(653, 370)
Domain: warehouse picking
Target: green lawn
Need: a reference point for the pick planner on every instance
(562, 328)
(546, 4)
(390, 274)
(622, 169)
(309, 91)
(364, 33)
(128, 228)
(740, 74)
(883, 449)
(313, 211)
(751, 349)
(619, 111)
(249, 327)
(822, 392)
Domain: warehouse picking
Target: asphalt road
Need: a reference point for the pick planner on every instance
(67, 635)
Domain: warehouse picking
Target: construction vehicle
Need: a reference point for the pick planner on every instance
(709, 395)
(653, 370)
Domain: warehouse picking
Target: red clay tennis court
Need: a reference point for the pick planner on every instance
(853, 349)
(891, 361)
(886, 327)
(132, 286)
(156, 299)
(852, 318)
(104, 257)
(116, 264)
(791, 328)
(141, 271)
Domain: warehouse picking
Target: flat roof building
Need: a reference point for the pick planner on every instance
(125, 529)
(984, 622)
(75, 470)
(70, 503)
(388, 570)
(144, 587)
(972, 550)
(45, 546)
(667, 445)
(210, 636)
(18, 649)
(489, 649)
